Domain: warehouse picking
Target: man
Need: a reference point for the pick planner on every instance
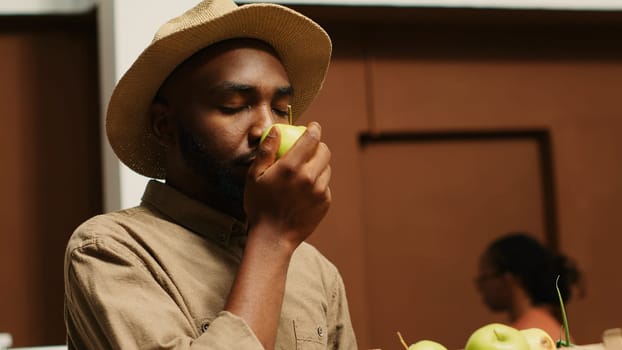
(214, 257)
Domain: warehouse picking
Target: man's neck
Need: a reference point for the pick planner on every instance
(204, 193)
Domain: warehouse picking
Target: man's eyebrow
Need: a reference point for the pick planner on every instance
(229, 86)
(233, 87)
(285, 91)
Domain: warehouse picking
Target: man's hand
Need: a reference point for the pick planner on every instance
(284, 201)
(287, 199)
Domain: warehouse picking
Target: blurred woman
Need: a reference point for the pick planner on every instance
(517, 276)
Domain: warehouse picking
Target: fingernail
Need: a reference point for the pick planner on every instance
(315, 129)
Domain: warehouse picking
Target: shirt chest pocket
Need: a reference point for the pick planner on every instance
(310, 335)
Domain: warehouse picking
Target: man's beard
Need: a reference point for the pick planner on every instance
(219, 174)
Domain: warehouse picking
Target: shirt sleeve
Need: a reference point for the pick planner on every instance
(341, 334)
(112, 301)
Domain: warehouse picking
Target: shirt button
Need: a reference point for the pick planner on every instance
(320, 331)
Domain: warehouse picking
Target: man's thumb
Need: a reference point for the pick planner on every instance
(266, 152)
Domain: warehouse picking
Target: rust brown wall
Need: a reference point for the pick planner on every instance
(50, 178)
(440, 72)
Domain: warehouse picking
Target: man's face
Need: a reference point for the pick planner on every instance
(222, 101)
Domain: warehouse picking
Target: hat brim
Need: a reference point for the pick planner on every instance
(303, 47)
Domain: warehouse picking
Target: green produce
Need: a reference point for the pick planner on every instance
(497, 336)
(422, 344)
(538, 339)
(289, 136)
(560, 342)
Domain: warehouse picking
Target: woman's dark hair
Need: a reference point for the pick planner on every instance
(536, 266)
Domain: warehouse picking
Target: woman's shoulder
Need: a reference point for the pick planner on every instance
(539, 317)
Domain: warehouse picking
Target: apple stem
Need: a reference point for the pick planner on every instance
(564, 319)
(402, 340)
(496, 334)
(289, 114)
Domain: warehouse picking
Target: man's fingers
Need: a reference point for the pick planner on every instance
(321, 160)
(306, 144)
(323, 180)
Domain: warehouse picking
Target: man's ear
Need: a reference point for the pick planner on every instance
(162, 123)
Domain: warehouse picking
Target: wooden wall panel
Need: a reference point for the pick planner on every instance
(462, 92)
(430, 209)
(18, 301)
(49, 151)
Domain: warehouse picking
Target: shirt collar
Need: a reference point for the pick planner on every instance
(192, 214)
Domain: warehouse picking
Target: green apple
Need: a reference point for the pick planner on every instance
(427, 345)
(289, 136)
(422, 344)
(497, 336)
(538, 339)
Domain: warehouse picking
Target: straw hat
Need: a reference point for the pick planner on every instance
(302, 45)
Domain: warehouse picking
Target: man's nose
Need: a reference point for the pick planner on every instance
(263, 118)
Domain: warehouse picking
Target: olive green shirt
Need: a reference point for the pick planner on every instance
(157, 276)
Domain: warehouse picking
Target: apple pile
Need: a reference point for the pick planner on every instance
(495, 336)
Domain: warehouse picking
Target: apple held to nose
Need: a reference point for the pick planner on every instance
(538, 339)
(497, 336)
(289, 136)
